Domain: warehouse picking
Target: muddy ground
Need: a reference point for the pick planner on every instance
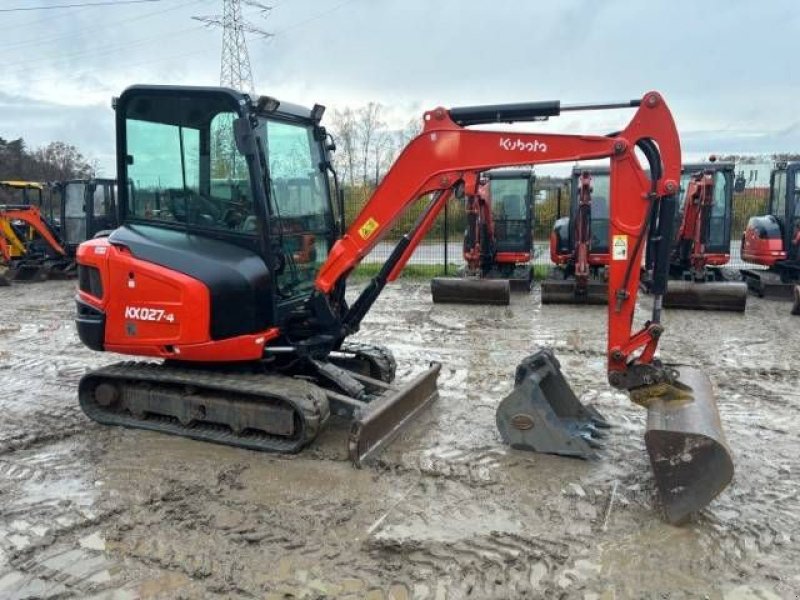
(449, 512)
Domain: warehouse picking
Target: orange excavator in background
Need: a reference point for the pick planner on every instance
(498, 241)
(579, 243)
(255, 343)
(702, 244)
(773, 240)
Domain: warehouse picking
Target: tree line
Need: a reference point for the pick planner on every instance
(56, 161)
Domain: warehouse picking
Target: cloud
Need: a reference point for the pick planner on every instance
(726, 68)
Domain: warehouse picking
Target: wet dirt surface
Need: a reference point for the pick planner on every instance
(447, 512)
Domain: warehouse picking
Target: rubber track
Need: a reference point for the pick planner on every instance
(307, 399)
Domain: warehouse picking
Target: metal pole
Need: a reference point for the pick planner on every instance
(446, 237)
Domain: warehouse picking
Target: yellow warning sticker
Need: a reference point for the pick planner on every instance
(368, 228)
(619, 247)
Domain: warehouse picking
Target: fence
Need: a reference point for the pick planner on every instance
(441, 251)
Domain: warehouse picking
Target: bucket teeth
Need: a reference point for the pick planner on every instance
(543, 414)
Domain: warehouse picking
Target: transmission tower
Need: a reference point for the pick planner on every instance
(235, 71)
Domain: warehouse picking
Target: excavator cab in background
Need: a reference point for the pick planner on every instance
(773, 240)
(579, 242)
(244, 296)
(498, 241)
(30, 246)
(701, 246)
(85, 208)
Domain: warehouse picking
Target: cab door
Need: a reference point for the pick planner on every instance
(74, 226)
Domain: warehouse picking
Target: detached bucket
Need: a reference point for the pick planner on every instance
(470, 291)
(728, 295)
(543, 414)
(691, 460)
(564, 291)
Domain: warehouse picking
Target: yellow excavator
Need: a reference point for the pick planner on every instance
(30, 246)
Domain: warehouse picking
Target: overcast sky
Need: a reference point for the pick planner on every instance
(727, 68)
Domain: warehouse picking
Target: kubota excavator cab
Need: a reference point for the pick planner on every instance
(564, 285)
(773, 240)
(498, 241)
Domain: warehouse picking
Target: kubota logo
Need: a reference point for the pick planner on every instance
(142, 313)
(520, 144)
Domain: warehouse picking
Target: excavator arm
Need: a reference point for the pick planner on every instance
(32, 217)
(447, 156)
(695, 223)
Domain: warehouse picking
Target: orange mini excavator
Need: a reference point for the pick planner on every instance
(254, 337)
(498, 241)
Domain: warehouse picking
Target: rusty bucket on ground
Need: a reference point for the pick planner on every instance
(688, 452)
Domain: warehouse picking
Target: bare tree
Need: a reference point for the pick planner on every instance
(369, 125)
(344, 131)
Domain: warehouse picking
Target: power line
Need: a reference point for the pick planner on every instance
(314, 17)
(94, 28)
(74, 5)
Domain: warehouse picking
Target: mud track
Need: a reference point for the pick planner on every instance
(448, 512)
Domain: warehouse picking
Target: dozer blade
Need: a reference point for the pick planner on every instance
(564, 291)
(470, 291)
(384, 418)
(710, 295)
(31, 272)
(691, 460)
(543, 414)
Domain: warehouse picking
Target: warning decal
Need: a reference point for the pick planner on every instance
(368, 228)
(619, 247)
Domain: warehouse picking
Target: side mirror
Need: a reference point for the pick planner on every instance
(243, 133)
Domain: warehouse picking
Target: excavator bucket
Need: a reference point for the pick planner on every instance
(564, 291)
(543, 414)
(709, 295)
(691, 460)
(377, 424)
(466, 290)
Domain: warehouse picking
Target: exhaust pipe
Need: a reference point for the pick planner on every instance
(690, 458)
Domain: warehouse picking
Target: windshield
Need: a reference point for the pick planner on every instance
(509, 198)
(301, 222)
(717, 227)
(183, 165)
